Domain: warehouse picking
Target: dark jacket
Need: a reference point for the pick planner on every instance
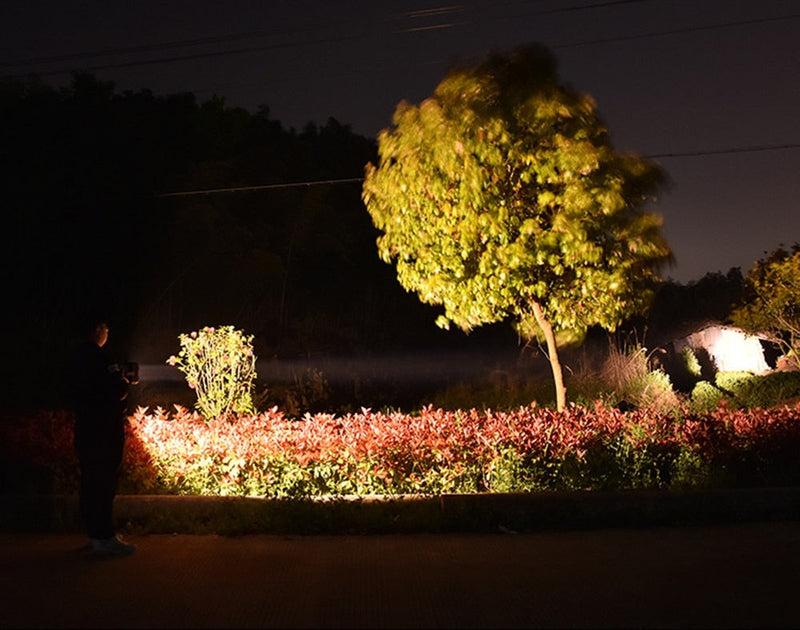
(98, 393)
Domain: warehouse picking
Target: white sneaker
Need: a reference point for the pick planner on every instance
(111, 547)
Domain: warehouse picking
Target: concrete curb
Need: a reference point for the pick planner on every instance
(410, 513)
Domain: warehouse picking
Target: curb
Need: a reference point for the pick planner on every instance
(402, 514)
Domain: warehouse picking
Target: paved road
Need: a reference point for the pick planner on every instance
(728, 576)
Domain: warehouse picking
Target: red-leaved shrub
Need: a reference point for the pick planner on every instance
(431, 451)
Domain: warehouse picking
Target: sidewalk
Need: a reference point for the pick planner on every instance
(721, 576)
(404, 514)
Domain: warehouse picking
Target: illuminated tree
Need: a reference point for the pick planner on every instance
(771, 305)
(501, 197)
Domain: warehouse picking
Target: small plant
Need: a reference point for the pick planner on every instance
(308, 393)
(691, 363)
(706, 397)
(220, 367)
(625, 379)
(685, 370)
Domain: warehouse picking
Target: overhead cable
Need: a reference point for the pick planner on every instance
(211, 191)
(338, 39)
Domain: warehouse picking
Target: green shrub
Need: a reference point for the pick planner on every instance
(505, 471)
(691, 470)
(750, 390)
(219, 365)
(625, 378)
(685, 370)
(706, 397)
(643, 457)
(506, 391)
(432, 452)
(309, 393)
(691, 363)
(745, 390)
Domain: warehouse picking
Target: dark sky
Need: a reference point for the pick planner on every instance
(709, 87)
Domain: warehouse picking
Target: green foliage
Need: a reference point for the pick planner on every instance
(690, 363)
(685, 371)
(510, 471)
(309, 392)
(744, 390)
(706, 397)
(655, 391)
(502, 190)
(771, 305)
(505, 471)
(625, 378)
(501, 391)
(220, 367)
(691, 470)
(751, 390)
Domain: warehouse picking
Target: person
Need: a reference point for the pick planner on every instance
(99, 391)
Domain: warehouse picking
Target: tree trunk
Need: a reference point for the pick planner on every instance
(552, 355)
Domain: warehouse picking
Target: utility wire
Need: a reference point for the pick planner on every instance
(325, 40)
(191, 57)
(677, 31)
(582, 7)
(211, 191)
(144, 48)
(754, 149)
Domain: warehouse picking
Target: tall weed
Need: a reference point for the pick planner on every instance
(624, 379)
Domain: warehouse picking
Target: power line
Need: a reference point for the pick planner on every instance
(146, 48)
(338, 39)
(268, 33)
(730, 150)
(211, 191)
(582, 7)
(753, 149)
(459, 9)
(677, 31)
(192, 57)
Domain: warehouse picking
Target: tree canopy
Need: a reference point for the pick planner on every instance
(771, 303)
(501, 196)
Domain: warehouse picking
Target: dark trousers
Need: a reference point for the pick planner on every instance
(99, 463)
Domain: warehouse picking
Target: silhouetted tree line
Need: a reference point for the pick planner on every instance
(86, 231)
(679, 307)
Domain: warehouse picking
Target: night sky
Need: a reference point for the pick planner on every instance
(710, 88)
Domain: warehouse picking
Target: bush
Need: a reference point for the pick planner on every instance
(310, 392)
(37, 453)
(432, 452)
(501, 390)
(750, 390)
(706, 397)
(625, 379)
(744, 390)
(438, 451)
(219, 365)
